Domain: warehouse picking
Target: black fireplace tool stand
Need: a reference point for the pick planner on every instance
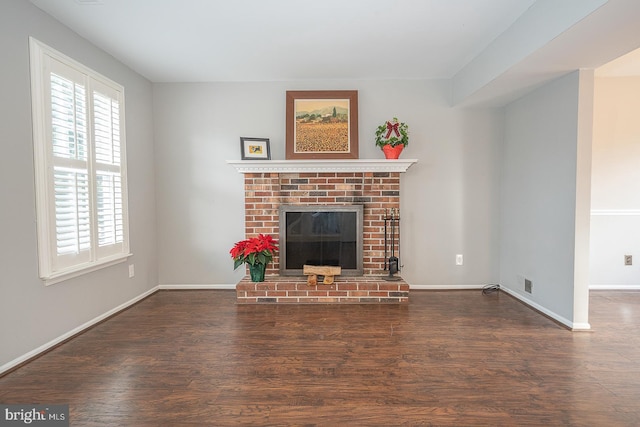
(391, 227)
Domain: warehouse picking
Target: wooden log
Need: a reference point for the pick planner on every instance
(328, 271)
(322, 270)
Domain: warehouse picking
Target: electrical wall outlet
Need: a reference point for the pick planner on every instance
(528, 286)
(628, 260)
(132, 271)
(459, 259)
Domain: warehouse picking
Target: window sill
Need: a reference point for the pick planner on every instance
(84, 269)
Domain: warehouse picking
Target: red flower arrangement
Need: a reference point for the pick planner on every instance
(256, 250)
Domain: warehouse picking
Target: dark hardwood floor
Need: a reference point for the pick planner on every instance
(451, 358)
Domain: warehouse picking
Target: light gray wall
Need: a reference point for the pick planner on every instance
(31, 314)
(615, 221)
(450, 198)
(541, 178)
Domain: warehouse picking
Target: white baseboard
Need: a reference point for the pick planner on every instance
(25, 357)
(581, 326)
(614, 287)
(615, 212)
(43, 348)
(178, 286)
(573, 326)
(35, 352)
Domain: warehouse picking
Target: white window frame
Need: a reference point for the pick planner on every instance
(54, 265)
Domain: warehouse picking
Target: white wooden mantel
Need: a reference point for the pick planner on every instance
(342, 165)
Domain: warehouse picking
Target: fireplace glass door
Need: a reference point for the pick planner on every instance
(321, 235)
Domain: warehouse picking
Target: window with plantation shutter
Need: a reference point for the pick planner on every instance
(80, 166)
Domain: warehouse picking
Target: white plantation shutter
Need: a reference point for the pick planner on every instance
(70, 165)
(80, 169)
(73, 227)
(109, 205)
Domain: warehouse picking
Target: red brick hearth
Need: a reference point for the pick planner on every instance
(376, 190)
(365, 289)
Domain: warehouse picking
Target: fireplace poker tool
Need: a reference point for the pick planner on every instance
(392, 263)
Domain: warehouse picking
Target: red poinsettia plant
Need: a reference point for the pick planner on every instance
(256, 250)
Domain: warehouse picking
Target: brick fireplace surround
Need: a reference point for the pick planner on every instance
(372, 183)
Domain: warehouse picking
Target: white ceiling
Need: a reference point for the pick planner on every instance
(266, 40)
(492, 50)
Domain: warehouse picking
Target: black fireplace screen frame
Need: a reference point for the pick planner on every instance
(357, 235)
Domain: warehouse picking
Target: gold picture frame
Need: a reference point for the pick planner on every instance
(322, 124)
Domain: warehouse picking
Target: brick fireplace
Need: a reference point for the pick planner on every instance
(374, 184)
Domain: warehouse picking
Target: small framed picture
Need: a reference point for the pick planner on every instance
(255, 148)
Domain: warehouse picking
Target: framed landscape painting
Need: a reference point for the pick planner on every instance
(322, 124)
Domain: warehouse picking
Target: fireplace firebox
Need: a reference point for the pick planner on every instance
(321, 235)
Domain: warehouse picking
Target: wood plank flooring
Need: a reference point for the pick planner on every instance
(450, 358)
